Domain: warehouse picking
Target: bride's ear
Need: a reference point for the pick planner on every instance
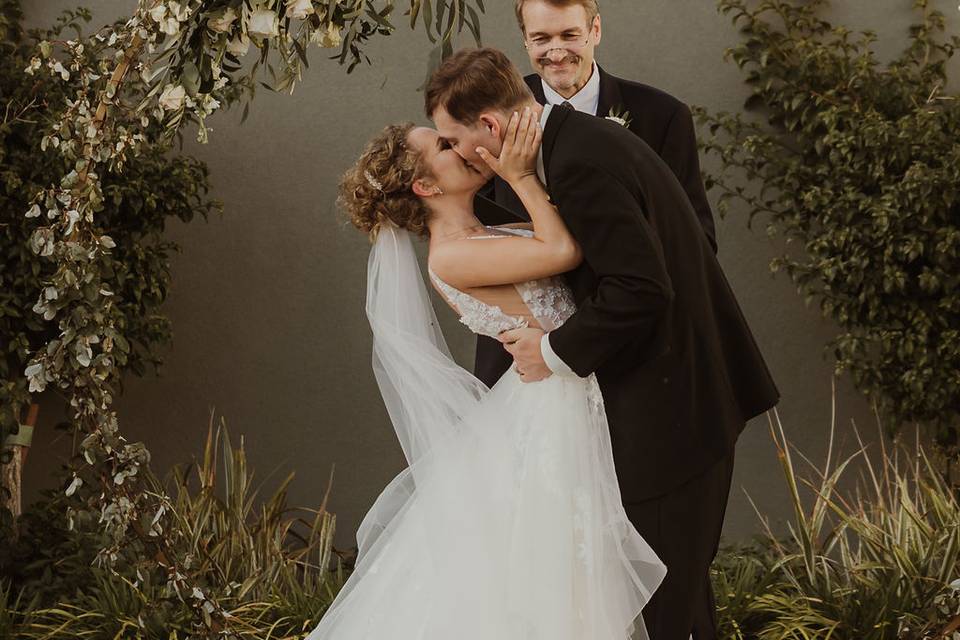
(424, 189)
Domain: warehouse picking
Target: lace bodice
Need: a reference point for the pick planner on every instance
(548, 299)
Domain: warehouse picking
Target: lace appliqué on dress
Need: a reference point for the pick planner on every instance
(479, 317)
(549, 300)
(594, 396)
(583, 509)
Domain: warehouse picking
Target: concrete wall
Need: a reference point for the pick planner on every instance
(267, 301)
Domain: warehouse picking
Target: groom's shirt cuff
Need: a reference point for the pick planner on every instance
(552, 360)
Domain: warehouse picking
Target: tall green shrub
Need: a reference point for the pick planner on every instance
(153, 188)
(857, 165)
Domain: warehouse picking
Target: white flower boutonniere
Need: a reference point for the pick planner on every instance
(620, 115)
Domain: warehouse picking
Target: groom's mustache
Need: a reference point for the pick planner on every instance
(571, 58)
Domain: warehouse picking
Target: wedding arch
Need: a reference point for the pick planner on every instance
(190, 57)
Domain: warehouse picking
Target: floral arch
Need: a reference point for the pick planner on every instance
(187, 59)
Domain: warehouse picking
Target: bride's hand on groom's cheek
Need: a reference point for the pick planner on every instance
(521, 146)
(524, 346)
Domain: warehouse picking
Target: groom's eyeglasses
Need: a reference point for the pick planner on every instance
(541, 45)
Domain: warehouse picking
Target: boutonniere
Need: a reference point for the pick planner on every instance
(620, 115)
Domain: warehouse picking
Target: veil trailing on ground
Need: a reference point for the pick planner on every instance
(425, 391)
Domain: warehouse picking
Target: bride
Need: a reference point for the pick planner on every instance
(507, 524)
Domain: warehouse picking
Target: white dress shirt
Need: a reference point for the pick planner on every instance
(552, 360)
(586, 100)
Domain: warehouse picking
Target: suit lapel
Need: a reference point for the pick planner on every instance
(610, 96)
(536, 87)
(555, 120)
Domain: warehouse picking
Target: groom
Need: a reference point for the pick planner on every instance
(561, 38)
(657, 322)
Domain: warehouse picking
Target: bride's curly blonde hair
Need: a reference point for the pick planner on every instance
(378, 188)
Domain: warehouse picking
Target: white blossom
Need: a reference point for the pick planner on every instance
(158, 12)
(33, 212)
(172, 97)
(73, 216)
(170, 26)
(36, 374)
(328, 37)
(181, 12)
(33, 66)
(238, 45)
(299, 9)
(42, 241)
(209, 104)
(43, 309)
(262, 23)
(74, 485)
(58, 68)
(83, 352)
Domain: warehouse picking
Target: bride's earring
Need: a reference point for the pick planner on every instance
(437, 190)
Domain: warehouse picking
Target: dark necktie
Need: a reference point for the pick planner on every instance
(566, 103)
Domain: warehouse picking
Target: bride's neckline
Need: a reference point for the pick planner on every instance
(503, 233)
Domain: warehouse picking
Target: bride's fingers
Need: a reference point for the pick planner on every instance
(492, 161)
(537, 138)
(522, 129)
(530, 122)
(511, 136)
(530, 134)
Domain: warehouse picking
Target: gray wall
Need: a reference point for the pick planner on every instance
(267, 302)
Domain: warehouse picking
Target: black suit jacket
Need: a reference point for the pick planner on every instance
(660, 120)
(657, 321)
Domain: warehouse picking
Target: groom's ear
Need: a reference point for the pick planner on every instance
(490, 123)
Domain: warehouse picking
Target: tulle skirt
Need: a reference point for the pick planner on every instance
(511, 528)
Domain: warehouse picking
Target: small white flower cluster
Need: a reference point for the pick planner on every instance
(169, 16)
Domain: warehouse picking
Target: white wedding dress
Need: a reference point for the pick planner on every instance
(508, 523)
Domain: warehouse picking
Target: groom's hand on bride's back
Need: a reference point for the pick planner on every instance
(524, 346)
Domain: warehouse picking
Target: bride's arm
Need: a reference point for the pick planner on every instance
(552, 249)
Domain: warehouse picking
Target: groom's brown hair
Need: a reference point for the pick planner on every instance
(474, 81)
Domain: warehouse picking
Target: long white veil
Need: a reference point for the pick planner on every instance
(425, 391)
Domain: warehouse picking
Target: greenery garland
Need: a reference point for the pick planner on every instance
(153, 188)
(188, 53)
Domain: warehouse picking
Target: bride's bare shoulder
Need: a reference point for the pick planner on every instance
(471, 262)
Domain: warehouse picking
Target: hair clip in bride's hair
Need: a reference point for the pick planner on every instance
(376, 184)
